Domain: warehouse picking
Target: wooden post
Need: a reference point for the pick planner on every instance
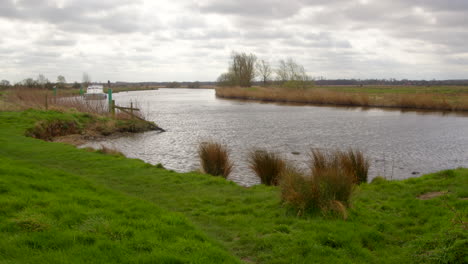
(131, 109)
(113, 108)
(46, 103)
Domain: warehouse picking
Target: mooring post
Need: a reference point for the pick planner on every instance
(113, 108)
(131, 109)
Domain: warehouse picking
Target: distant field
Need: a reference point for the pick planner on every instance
(439, 98)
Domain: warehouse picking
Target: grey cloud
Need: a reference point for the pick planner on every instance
(84, 15)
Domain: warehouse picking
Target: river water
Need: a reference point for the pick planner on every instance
(399, 144)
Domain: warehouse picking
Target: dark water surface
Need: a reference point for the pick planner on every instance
(399, 144)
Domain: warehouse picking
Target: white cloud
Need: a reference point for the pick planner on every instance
(169, 40)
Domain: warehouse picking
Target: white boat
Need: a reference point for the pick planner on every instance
(95, 92)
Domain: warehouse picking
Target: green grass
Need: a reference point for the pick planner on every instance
(386, 223)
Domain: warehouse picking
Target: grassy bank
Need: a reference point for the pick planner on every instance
(403, 97)
(49, 183)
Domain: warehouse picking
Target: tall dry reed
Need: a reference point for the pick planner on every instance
(214, 159)
(355, 163)
(266, 165)
(322, 96)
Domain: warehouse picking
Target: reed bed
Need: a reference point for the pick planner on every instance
(214, 159)
(266, 165)
(323, 96)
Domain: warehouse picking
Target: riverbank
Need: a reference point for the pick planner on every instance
(59, 201)
(398, 97)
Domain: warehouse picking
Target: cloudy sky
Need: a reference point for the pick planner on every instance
(188, 40)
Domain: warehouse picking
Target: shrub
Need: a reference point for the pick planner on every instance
(214, 159)
(267, 166)
(47, 130)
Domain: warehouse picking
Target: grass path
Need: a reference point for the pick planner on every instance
(387, 223)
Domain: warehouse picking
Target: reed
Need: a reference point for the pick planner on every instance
(266, 165)
(323, 96)
(355, 163)
(214, 159)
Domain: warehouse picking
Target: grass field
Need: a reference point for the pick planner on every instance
(439, 98)
(62, 204)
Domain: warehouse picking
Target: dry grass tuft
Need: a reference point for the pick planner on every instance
(266, 165)
(329, 186)
(354, 162)
(214, 159)
(110, 151)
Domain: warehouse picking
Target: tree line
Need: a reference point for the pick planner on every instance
(41, 82)
(245, 69)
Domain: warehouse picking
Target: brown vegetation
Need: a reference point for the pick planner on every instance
(329, 186)
(214, 159)
(266, 165)
(323, 96)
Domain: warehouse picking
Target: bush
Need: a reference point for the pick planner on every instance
(214, 159)
(266, 165)
(47, 130)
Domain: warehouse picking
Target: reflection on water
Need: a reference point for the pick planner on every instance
(400, 145)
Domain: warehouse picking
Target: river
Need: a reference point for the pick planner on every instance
(400, 144)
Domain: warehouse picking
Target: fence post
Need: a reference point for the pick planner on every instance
(46, 103)
(131, 109)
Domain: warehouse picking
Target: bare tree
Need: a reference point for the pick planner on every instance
(290, 73)
(42, 80)
(29, 82)
(86, 80)
(4, 83)
(243, 68)
(61, 81)
(226, 79)
(264, 71)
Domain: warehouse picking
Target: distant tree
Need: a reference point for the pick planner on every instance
(194, 85)
(76, 85)
(86, 79)
(264, 71)
(61, 81)
(243, 68)
(291, 74)
(173, 85)
(226, 79)
(4, 83)
(42, 81)
(29, 82)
